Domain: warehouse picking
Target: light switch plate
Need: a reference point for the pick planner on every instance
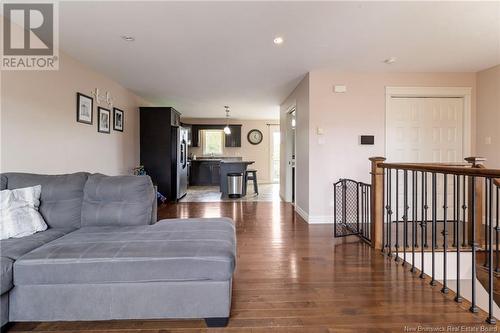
(339, 88)
(487, 140)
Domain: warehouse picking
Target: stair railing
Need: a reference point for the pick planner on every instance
(438, 208)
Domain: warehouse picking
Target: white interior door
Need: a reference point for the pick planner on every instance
(424, 130)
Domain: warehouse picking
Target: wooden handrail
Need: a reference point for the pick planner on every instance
(496, 181)
(446, 168)
(474, 168)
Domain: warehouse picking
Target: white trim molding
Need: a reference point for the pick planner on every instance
(327, 219)
(302, 213)
(313, 219)
(459, 92)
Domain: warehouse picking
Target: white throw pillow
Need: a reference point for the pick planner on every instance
(19, 216)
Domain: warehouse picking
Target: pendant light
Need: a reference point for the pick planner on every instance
(227, 130)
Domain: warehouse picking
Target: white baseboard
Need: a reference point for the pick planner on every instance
(313, 219)
(321, 219)
(302, 213)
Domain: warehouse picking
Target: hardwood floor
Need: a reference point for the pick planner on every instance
(294, 277)
(267, 192)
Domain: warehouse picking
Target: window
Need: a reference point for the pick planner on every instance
(213, 142)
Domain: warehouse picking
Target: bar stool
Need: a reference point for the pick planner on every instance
(251, 174)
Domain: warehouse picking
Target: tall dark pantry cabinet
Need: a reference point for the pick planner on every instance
(164, 150)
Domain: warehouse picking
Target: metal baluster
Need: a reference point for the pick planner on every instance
(464, 211)
(433, 235)
(473, 308)
(367, 212)
(486, 253)
(405, 216)
(489, 204)
(497, 230)
(363, 212)
(444, 290)
(385, 207)
(455, 220)
(458, 298)
(369, 216)
(423, 222)
(357, 208)
(389, 225)
(407, 209)
(426, 207)
(413, 220)
(396, 258)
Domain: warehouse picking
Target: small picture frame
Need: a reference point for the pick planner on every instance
(103, 120)
(84, 108)
(118, 119)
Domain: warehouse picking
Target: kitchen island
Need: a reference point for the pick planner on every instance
(230, 166)
(212, 171)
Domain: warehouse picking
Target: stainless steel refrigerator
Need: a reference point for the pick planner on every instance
(182, 162)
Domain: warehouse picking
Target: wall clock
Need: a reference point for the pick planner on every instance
(255, 136)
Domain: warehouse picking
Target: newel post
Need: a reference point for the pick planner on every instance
(377, 202)
(477, 191)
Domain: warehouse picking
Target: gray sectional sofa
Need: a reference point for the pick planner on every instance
(105, 257)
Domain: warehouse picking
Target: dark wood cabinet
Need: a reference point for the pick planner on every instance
(175, 118)
(215, 174)
(204, 173)
(195, 135)
(234, 139)
(158, 147)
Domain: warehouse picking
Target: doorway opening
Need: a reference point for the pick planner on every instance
(274, 153)
(291, 172)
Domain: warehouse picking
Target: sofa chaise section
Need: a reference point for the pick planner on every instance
(173, 269)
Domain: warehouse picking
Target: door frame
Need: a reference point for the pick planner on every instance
(456, 92)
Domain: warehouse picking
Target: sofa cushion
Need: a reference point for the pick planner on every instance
(5, 275)
(61, 198)
(19, 212)
(187, 250)
(14, 248)
(117, 200)
(3, 182)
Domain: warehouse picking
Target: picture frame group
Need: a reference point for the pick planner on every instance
(85, 115)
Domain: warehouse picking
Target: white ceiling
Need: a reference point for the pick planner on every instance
(200, 56)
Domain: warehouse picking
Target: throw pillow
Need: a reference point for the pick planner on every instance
(19, 216)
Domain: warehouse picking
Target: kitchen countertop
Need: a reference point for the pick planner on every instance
(221, 159)
(246, 162)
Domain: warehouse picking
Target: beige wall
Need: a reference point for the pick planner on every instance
(299, 99)
(343, 117)
(488, 116)
(39, 132)
(259, 153)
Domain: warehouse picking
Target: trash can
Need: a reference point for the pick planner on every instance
(234, 184)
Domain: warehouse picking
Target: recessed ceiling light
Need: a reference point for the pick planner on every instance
(278, 40)
(128, 38)
(390, 60)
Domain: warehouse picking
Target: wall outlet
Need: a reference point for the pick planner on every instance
(320, 131)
